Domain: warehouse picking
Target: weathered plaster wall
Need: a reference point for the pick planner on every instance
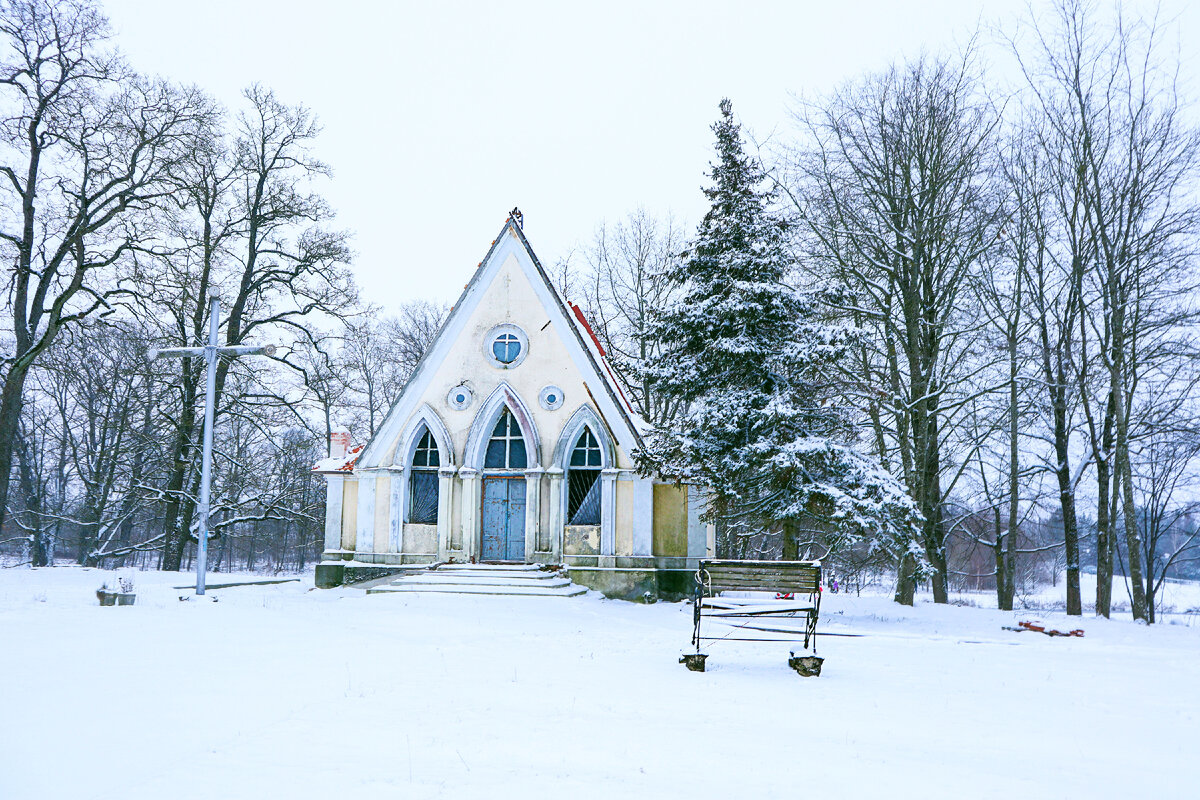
(670, 520)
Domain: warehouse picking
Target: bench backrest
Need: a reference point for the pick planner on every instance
(800, 577)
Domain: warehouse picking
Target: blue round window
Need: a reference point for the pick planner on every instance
(506, 348)
(551, 397)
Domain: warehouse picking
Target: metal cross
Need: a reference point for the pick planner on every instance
(209, 353)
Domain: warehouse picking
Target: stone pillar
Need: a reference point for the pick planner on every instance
(643, 516)
(445, 510)
(397, 510)
(533, 511)
(608, 510)
(334, 484)
(556, 513)
(470, 511)
(364, 535)
(697, 536)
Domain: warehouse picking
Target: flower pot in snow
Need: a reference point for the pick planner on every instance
(111, 598)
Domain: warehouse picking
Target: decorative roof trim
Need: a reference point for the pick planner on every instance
(375, 451)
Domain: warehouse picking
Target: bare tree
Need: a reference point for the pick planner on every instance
(100, 390)
(380, 353)
(276, 264)
(894, 187)
(1111, 111)
(625, 283)
(85, 147)
(1164, 485)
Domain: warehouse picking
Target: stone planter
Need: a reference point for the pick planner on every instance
(110, 598)
(808, 666)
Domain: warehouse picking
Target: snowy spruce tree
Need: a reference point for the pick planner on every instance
(749, 359)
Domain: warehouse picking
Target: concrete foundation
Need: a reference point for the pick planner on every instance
(634, 583)
(347, 573)
(637, 580)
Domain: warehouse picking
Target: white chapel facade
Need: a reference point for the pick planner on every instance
(513, 441)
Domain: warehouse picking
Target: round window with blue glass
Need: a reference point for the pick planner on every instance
(506, 346)
(459, 397)
(551, 398)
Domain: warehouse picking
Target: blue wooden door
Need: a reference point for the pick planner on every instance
(503, 519)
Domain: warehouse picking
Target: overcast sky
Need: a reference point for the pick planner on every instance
(439, 117)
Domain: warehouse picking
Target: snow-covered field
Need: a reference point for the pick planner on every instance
(284, 691)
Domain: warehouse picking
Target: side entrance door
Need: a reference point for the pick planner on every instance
(503, 519)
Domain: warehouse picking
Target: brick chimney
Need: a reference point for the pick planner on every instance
(339, 442)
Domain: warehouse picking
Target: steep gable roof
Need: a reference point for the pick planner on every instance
(581, 343)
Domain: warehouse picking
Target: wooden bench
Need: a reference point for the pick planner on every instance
(799, 578)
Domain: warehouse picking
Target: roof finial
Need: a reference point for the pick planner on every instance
(516, 216)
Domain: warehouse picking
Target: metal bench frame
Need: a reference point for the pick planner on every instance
(793, 577)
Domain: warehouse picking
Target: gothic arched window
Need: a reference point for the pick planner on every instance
(423, 481)
(583, 481)
(506, 448)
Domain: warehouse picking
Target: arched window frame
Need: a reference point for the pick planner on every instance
(585, 502)
(425, 418)
(504, 396)
(586, 417)
(508, 442)
(424, 494)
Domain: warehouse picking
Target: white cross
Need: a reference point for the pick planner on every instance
(209, 353)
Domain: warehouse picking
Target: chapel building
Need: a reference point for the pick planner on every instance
(512, 442)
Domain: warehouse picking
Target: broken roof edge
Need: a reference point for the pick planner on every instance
(589, 342)
(339, 464)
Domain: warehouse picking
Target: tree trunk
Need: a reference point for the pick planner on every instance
(906, 582)
(12, 397)
(181, 459)
(1066, 497)
(1133, 538)
(1105, 539)
(931, 505)
(1008, 563)
(998, 557)
(791, 545)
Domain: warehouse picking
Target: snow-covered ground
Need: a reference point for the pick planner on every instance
(283, 691)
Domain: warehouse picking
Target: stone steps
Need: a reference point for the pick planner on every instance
(494, 579)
